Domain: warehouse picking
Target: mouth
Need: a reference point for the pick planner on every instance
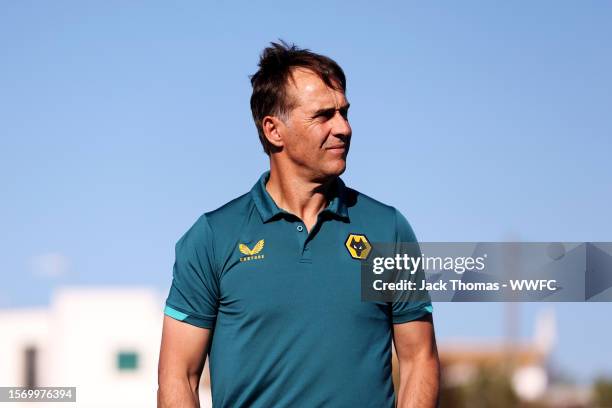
(337, 148)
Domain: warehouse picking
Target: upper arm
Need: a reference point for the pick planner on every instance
(183, 350)
(415, 339)
(194, 294)
(414, 304)
(191, 306)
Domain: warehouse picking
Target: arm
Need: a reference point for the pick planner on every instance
(181, 360)
(415, 344)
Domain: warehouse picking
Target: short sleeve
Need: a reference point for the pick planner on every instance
(194, 294)
(418, 303)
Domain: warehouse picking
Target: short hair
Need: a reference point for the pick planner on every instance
(276, 64)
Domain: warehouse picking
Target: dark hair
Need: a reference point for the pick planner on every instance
(276, 65)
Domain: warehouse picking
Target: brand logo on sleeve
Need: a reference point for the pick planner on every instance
(253, 253)
(358, 246)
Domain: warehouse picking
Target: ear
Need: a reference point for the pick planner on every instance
(273, 129)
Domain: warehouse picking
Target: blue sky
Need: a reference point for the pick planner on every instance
(121, 122)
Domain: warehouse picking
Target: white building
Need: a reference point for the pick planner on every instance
(103, 341)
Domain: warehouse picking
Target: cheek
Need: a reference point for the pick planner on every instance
(301, 148)
(319, 135)
(311, 141)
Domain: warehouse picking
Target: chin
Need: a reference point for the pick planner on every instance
(336, 168)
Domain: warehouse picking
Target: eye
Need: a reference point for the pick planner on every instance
(326, 115)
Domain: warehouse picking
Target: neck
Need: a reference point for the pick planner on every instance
(299, 194)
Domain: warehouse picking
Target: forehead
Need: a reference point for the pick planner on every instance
(309, 91)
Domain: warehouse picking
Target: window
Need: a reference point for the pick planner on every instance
(30, 362)
(127, 360)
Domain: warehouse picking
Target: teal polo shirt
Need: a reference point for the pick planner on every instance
(284, 305)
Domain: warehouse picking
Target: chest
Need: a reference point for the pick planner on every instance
(281, 273)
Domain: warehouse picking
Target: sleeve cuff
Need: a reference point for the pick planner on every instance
(181, 316)
(413, 314)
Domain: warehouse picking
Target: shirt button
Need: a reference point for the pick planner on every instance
(300, 228)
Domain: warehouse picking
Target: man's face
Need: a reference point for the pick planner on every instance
(317, 133)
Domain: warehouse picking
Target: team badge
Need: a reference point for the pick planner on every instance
(358, 246)
(251, 253)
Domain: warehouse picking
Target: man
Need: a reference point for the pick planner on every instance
(269, 284)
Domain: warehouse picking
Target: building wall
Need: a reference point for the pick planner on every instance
(18, 330)
(79, 338)
(89, 328)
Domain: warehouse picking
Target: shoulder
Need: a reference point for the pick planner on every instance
(214, 231)
(364, 209)
(227, 219)
(231, 211)
(221, 219)
(363, 205)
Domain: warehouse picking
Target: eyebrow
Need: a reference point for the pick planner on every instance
(325, 111)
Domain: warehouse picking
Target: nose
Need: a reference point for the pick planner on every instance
(341, 127)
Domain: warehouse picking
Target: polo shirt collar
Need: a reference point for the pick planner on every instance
(268, 209)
